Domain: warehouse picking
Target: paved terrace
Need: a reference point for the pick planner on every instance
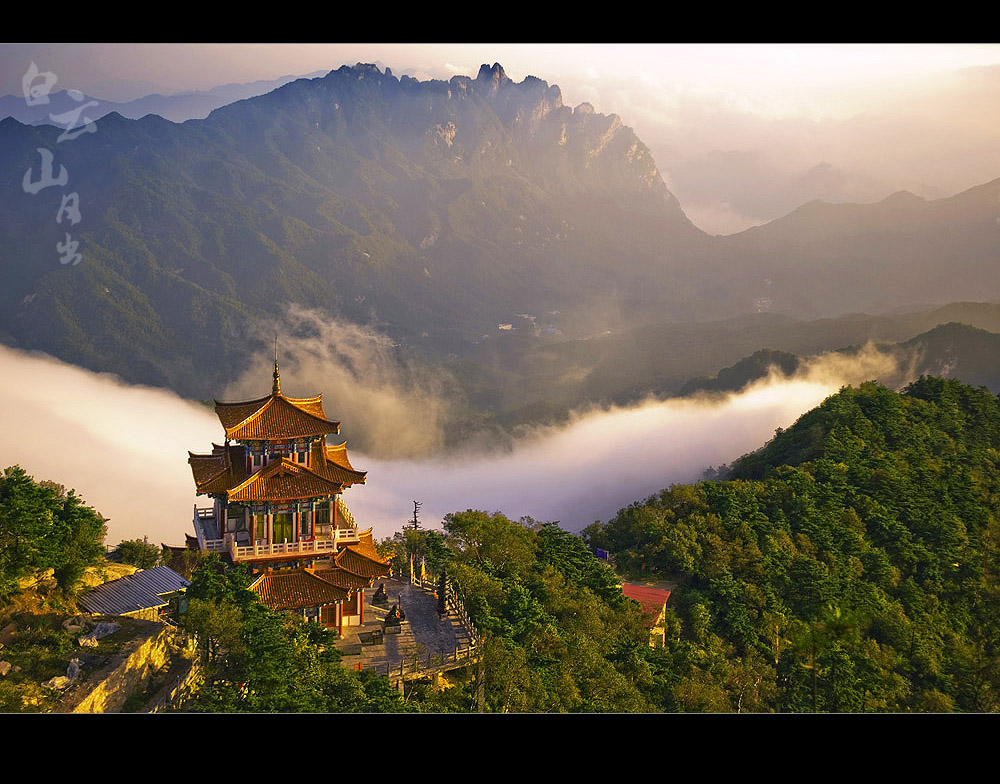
(424, 645)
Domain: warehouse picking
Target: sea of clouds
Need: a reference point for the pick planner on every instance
(124, 448)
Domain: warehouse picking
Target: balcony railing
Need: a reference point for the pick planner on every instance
(345, 514)
(204, 518)
(204, 522)
(270, 550)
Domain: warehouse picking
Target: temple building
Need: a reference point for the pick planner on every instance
(277, 491)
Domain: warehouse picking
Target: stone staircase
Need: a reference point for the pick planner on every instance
(423, 644)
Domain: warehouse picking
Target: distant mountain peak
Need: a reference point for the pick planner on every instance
(903, 197)
(495, 74)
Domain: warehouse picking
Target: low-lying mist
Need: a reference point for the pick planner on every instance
(604, 459)
(396, 408)
(124, 448)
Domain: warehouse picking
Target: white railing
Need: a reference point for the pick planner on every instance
(344, 513)
(346, 535)
(266, 550)
(202, 517)
(262, 549)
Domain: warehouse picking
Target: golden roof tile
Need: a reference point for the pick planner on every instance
(283, 480)
(332, 463)
(341, 578)
(366, 546)
(351, 560)
(275, 418)
(296, 589)
(334, 473)
(217, 472)
(338, 454)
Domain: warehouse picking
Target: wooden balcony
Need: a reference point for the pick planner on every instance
(261, 549)
(316, 548)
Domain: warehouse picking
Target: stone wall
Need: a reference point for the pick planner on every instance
(129, 672)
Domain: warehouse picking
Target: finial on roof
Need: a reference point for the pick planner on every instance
(276, 389)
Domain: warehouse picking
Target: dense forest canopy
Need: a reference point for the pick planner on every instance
(557, 633)
(258, 661)
(848, 565)
(42, 526)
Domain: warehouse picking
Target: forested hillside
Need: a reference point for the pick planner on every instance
(848, 565)
(557, 633)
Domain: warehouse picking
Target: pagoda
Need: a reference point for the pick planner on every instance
(278, 507)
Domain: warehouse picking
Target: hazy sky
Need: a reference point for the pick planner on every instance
(775, 79)
(891, 116)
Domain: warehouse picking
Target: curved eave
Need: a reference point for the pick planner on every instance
(295, 590)
(282, 481)
(338, 454)
(361, 564)
(276, 418)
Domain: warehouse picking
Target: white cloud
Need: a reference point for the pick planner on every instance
(124, 449)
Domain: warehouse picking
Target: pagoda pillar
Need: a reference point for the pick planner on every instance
(220, 519)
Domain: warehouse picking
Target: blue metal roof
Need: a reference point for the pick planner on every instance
(141, 591)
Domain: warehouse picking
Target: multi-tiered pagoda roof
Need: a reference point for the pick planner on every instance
(277, 487)
(225, 473)
(274, 419)
(353, 569)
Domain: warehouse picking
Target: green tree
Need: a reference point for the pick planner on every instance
(492, 541)
(44, 527)
(255, 660)
(139, 552)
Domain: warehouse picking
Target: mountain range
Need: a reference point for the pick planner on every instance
(459, 218)
(178, 107)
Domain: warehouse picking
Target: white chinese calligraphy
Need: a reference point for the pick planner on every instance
(68, 249)
(71, 118)
(70, 207)
(36, 86)
(45, 179)
(37, 93)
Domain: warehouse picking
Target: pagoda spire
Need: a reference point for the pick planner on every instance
(276, 389)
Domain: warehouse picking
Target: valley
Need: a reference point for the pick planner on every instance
(514, 292)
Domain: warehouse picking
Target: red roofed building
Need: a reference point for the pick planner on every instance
(654, 609)
(278, 507)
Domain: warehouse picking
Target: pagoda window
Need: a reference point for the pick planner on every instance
(258, 460)
(260, 526)
(235, 517)
(282, 528)
(281, 450)
(305, 523)
(322, 518)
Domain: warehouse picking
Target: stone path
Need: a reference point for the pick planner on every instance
(422, 635)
